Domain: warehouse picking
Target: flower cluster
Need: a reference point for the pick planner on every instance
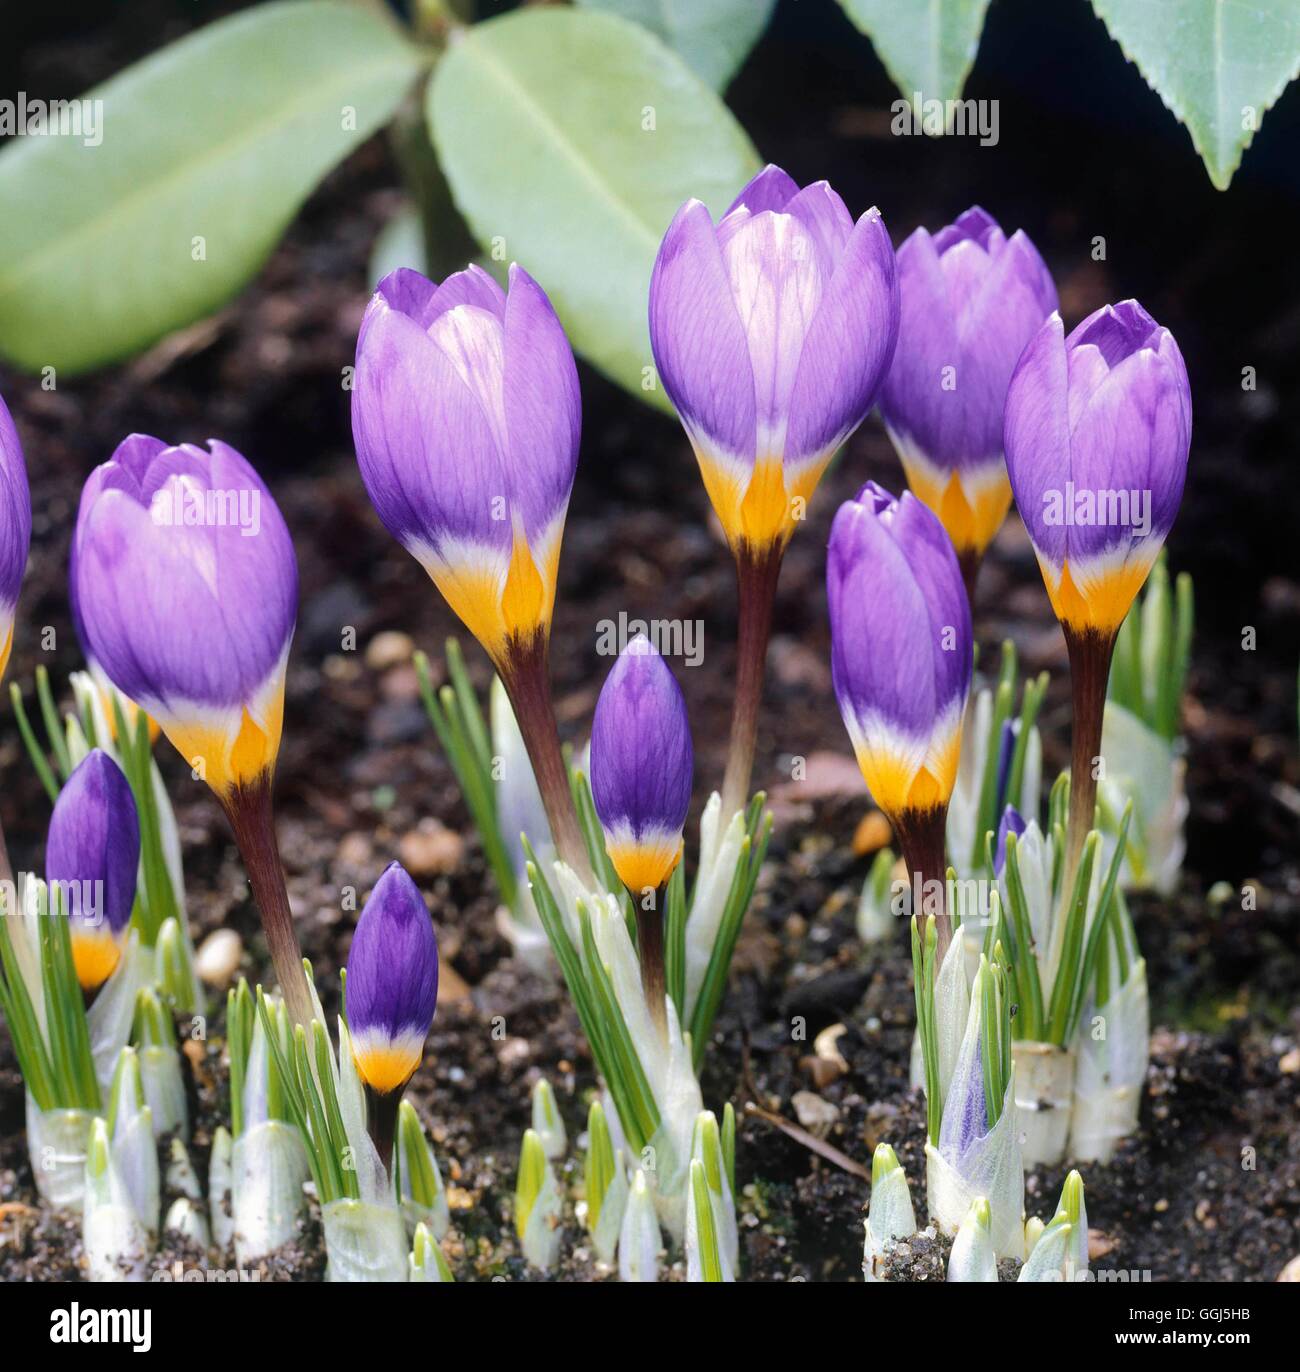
(774, 330)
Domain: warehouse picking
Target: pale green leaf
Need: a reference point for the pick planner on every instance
(209, 147)
(714, 36)
(570, 139)
(927, 46)
(1219, 65)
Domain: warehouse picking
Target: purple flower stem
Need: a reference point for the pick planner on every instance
(757, 571)
(249, 810)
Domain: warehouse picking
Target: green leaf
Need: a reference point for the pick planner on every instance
(1218, 66)
(714, 36)
(540, 119)
(927, 46)
(218, 138)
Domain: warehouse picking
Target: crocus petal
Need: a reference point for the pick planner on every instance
(92, 852)
(821, 211)
(770, 189)
(392, 982)
(15, 527)
(1012, 822)
(185, 592)
(465, 415)
(900, 647)
(848, 348)
(543, 406)
(1037, 439)
(971, 300)
(771, 331)
(1098, 427)
(641, 766)
(930, 557)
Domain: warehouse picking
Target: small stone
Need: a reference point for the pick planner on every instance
(515, 1052)
(1161, 1206)
(218, 957)
(815, 1114)
(354, 849)
(1289, 1062)
(822, 1072)
(431, 850)
(1100, 1244)
(825, 1045)
(873, 833)
(1291, 1272)
(388, 649)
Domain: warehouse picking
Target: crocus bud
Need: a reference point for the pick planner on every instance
(15, 528)
(466, 417)
(641, 765)
(392, 982)
(772, 332)
(971, 298)
(91, 856)
(1098, 425)
(900, 648)
(1012, 822)
(184, 591)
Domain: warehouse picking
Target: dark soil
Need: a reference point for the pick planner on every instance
(1210, 1187)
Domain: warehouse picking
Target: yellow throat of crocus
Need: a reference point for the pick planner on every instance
(386, 1064)
(95, 954)
(647, 864)
(497, 609)
(898, 785)
(230, 759)
(971, 508)
(760, 506)
(1097, 598)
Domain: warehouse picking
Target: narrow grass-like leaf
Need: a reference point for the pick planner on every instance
(34, 750)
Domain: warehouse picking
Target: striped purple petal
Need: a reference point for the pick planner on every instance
(185, 591)
(466, 418)
(641, 765)
(92, 853)
(392, 982)
(1097, 431)
(971, 300)
(900, 646)
(1012, 822)
(771, 332)
(15, 527)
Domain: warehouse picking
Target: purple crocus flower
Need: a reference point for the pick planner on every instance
(1013, 822)
(900, 647)
(772, 331)
(971, 298)
(466, 417)
(15, 528)
(92, 854)
(184, 592)
(641, 765)
(392, 982)
(1098, 426)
